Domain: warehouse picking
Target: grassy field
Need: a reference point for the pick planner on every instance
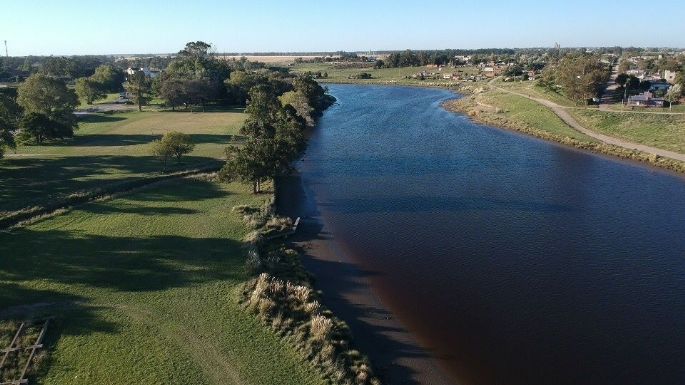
(381, 75)
(525, 113)
(109, 148)
(662, 131)
(144, 290)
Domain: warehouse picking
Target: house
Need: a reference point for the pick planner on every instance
(645, 99)
(149, 73)
(670, 76)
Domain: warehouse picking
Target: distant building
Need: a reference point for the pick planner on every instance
(670, 76)
(149, 73)
(645, 99)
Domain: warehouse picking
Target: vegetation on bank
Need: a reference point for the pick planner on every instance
(282, 297)
(526, 123)
(657, 130)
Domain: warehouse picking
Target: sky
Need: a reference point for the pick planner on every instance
(76, 27)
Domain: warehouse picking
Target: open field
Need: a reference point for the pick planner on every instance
(269, 59)
(662, 131)
(144, 290)
(106, 149)
(380, 75)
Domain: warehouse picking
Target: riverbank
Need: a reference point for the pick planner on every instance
(503, 118)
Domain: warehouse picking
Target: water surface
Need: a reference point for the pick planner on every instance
(515, 260)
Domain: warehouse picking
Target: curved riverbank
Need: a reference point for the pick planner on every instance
(489, 115)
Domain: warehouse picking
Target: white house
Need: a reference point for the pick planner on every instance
(148, 72)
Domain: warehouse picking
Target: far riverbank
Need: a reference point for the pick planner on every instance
(493, 116)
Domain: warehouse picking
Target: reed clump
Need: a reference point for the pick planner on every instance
(281, 296)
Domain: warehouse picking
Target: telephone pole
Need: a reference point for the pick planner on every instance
(6, 52)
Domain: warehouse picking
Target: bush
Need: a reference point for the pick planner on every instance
(173, 144)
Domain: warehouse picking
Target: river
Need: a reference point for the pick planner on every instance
(512, 260)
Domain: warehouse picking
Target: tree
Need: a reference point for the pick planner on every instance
(173, 144)
(139, 86)
(46, 95)
(9, 113)
(88, 90)
(300, 103)
(581, 76)
(673, 95)
(47, 100)
(172, 91)
(621, 80)
(39, 127)
(108, 78)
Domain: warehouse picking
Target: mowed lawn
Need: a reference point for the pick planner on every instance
(144, 290)
(107, 149)
(657, 130)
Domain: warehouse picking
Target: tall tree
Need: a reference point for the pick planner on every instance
(39, 127)
(673, 95)
(581, 76)
(108, 78)
(9, 115)
(88, 90)
(139, 86)
(46, 100)
(46, 95)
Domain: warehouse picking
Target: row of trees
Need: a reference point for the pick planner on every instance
(106, 78)
(274, 130)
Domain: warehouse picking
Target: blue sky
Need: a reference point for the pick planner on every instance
(161, 26)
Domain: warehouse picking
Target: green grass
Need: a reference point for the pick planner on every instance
(381, 75)
(109, 148)
(532, 89)
(657, 130)
(109, 98)
(525, 112)
(144, 290)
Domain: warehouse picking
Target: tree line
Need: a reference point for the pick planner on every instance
(278, 114)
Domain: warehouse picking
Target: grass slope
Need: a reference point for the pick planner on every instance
(108, 148)
(145, 291)
(526, 113)
(657, 130)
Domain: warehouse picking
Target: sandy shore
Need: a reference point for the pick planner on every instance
(348, 291)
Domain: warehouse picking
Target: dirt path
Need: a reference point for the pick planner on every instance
(562, 113)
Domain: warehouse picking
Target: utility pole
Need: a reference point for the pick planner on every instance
(6, 52)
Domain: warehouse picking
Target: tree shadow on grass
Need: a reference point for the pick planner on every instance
(26, 182)
(113, 140)
(125, 263)
(99, 118)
